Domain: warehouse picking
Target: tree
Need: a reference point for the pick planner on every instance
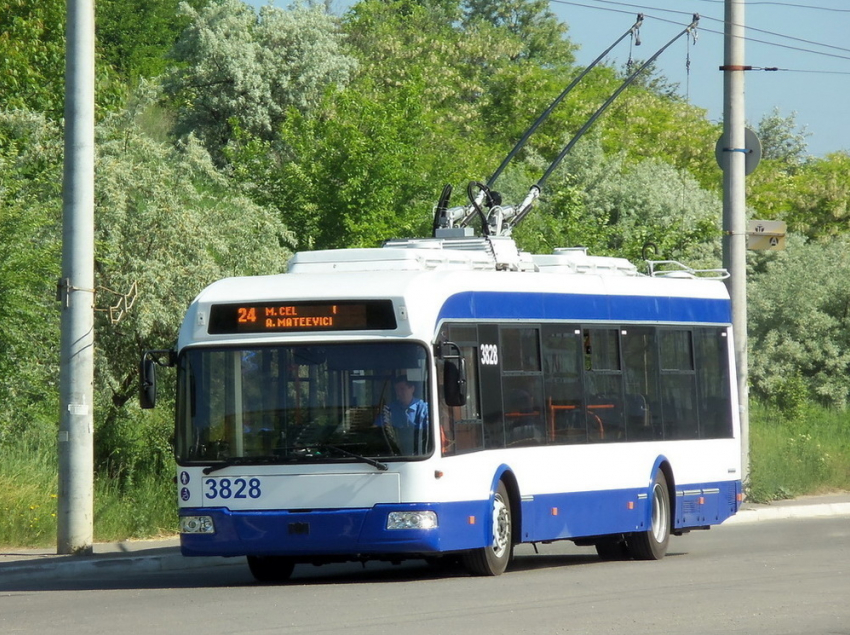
(529, 21)
(812, 198)
(239, 67)
(370, 162)
(799, 324)
(32, 55)
(167, 225)
(32, 60)
(135, 36)
(30, 231)
(781, 140)
(421, 111)
(628, 210)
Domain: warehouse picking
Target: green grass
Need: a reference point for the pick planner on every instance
(147, 509)
(28, 485)
(807, 453)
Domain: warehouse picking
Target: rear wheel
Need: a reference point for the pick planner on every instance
(269, 569)
(652, 543)
(494, 559)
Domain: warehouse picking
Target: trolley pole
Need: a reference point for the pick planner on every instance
(734, 206)
(75, 518)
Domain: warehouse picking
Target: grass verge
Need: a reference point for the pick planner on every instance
(145, 508)
(790, 456)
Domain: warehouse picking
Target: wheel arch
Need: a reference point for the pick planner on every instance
(507, 476)
(662, 464)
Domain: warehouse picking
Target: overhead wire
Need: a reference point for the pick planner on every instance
(643, 7)
(831, 51)
(782, 4)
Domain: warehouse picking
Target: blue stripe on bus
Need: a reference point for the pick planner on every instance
(484, 305)
(463, 525)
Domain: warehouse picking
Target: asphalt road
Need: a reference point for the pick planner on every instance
(777, 577)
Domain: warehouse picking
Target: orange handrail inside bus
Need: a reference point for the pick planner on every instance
(554, 408)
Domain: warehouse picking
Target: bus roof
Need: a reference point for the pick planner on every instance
(430, 280)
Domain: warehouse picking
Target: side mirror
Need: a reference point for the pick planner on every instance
(147, 374)
(147, 382)
(454, 376)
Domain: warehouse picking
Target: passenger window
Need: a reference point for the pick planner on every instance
(602, 349)
(712, 358)
(642, 405)
(678, 385)
(562, 365)
(524, 419)
(520, 349)
(603, 386)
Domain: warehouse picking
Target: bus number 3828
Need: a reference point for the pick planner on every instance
(489, 355)
(224, 488)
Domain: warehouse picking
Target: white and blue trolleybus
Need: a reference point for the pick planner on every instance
(452, 397)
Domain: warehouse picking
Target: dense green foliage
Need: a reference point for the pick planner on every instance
(237, 65)
(135, 37)
(32, 54)
(30, 230)
(222, 130)
(800, 325)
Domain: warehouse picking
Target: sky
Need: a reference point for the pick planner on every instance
(805, 39)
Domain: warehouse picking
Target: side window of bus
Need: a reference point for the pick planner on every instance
(603, 385)
(562, 366)
(522, 386)
(678, 384)
(711, 347)
(520, 348)
(642, 406)
(461, 427)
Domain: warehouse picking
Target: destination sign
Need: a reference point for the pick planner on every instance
(283, 317)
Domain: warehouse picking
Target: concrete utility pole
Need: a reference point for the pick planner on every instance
(734, 206)
(75, 522)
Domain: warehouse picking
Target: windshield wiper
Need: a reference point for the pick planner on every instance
(241, 460)
(265, 460)
(365, 459)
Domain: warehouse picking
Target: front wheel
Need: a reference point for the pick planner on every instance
(652, 543)
(270, 569)
(494, 559)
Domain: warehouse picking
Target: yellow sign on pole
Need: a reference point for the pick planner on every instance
(766, 235)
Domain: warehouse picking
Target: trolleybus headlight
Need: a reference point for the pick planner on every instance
(197, 525)
(412, 520)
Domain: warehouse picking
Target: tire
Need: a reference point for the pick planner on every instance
(270, 569)
(652, 543)
(613, 548)
(493, 559)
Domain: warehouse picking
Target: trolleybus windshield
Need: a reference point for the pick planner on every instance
(286, 404)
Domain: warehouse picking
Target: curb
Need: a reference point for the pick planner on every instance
(65, 567)
(786, 512)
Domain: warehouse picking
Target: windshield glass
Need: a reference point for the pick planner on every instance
(341, 402)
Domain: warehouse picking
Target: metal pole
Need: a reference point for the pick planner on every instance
(75, 519)
(734, 206)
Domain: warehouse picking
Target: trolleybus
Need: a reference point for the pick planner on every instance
(556, 397)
